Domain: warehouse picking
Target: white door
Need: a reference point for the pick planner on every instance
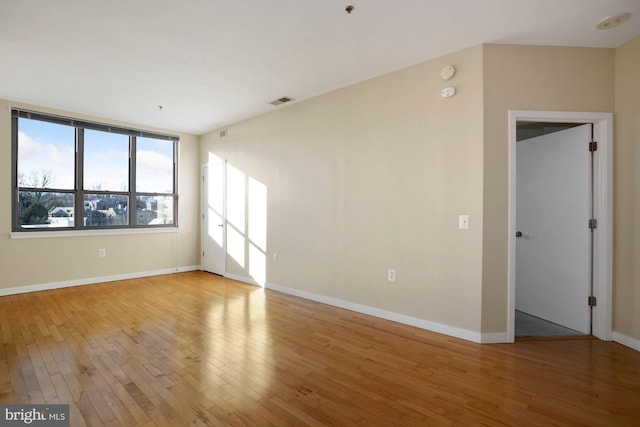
(213, 218)
(552, 214)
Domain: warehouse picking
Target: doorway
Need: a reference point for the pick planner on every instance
(214, 218)
(590, 265)
(553, 246)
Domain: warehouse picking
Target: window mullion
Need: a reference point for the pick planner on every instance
(14, 174)
(79, 191)
(133, 200)
(175, 182)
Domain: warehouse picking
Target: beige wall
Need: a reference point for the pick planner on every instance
(373, 177)
(527, 78)
(46, 260)
(626, 282)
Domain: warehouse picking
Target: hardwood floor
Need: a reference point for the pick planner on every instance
(197, 349)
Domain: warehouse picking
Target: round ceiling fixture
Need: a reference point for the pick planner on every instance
(613, 21)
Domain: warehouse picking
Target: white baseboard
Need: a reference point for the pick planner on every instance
(359, 308)
(93, 280)
(187, 268)
(486, 338)
(627, 341)
(376, 312)
(495, 338)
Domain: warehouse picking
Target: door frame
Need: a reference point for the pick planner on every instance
(203, 211)
(603, 198)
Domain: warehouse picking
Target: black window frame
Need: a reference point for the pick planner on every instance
(79, 192)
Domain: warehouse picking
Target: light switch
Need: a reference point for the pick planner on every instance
(463, 222)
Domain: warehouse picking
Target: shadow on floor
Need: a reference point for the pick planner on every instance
(532, 326)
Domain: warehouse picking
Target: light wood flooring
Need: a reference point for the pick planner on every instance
(197, 349)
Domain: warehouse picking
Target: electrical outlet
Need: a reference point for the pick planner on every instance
(275, 256)
(391, 275)
(102, 253)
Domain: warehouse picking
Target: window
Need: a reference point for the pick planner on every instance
(71, 174)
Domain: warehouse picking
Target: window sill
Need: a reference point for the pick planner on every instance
(86, 233)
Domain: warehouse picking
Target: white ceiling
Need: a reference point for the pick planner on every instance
(211, 63)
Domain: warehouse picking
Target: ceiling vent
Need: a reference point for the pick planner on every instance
(282, 100)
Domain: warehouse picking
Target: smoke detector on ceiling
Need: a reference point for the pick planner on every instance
(613, 21)
(281, 100)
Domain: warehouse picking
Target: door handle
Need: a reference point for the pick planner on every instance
(220, 225)
(518, 234)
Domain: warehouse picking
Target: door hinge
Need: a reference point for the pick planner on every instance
(203, 254)
(593, 146)
(592, 301)
(593, 224)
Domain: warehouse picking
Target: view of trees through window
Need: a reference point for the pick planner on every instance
(107, 178)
